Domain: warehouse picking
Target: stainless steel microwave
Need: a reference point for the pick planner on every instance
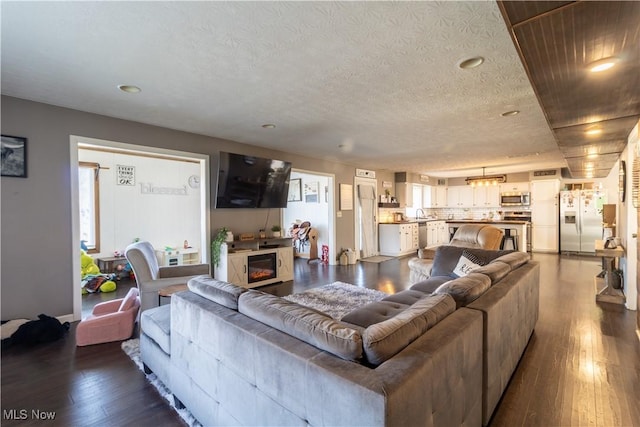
(516, 198)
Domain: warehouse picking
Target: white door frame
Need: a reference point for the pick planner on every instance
(75, 143)
(356, 213)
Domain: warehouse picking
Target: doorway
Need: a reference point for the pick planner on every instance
(198, 166)
(311, 198)
(366, 217)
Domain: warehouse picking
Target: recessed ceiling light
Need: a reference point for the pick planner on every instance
(269, 126)
(129, 88)
(510, 113)
(602, 64)
(467, 64)
(593, 131)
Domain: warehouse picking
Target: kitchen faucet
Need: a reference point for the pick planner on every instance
(421, 212)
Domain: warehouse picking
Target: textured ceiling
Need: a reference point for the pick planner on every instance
(374, 84)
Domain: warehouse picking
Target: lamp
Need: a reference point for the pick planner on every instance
(486, 180)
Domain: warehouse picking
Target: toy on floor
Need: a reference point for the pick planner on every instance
(92, 279)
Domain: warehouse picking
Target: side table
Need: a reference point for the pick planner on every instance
(609, 293)
(170, 290)
(109, 265)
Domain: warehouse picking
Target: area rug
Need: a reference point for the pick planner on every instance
(336, 299)
(132, 349)
(377, 258)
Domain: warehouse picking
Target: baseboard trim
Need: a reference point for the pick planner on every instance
(66, 318)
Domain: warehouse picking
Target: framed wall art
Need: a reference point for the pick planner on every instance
(14, 156)
(311, 192)
(295, 190)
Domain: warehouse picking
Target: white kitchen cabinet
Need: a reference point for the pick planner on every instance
(398, 239)
(432, 233)
(437, 233)
(486, 196)
(545, 216)
(514, 186)
(460, 196)
(434, 196)
(443, 232)
(409, 195)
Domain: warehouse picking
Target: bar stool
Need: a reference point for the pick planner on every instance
(508, 236)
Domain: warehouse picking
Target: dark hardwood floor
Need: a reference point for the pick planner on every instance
(581, 368)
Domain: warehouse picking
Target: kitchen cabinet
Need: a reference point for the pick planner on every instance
(545, 216)
(460, 196)
(443, 233)
(515, 186)
(398, 239)
(437, 233)
(409, 195)
(434, 196)
(486, 197)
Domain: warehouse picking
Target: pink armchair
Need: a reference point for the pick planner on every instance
(110, 321)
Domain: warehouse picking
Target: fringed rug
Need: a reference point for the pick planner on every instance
(336, 299)
(132, 349)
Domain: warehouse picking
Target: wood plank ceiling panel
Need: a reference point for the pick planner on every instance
(556, 42)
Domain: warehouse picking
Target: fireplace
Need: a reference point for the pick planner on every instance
(262, 267)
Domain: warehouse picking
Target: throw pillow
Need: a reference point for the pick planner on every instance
(466, 264)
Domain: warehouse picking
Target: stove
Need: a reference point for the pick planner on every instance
(517, 216)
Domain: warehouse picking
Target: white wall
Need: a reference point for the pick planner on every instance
(162, 219)
(627, 223)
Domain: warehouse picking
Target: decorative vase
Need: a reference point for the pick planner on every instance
(276, 234)
(229, 237)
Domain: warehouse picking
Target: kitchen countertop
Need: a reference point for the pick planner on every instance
(486, 221)
(412, 221)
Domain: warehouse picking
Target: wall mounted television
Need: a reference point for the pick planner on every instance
(252, 182)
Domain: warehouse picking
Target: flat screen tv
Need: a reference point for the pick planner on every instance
(252, 182)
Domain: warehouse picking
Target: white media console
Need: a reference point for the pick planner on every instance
(253, 263)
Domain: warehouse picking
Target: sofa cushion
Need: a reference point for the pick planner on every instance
(374, 312)
(383, 340)
(408, 297)
(156, 324)
(496, 270)
(304, 323)
(514, 259)
(223, 293)
(465, 290)
(447, 257)
(467, 263)
(430, 285)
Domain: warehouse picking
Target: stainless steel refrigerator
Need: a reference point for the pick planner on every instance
(581, 219)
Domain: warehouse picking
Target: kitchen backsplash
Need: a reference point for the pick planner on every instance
(386, 215)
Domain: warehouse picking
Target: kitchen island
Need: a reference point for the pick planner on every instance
(521, 228)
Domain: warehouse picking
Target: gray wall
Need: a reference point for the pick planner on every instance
(35, 266)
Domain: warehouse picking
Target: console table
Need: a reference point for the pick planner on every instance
(608, 293)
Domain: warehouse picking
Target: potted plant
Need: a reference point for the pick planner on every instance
(216, 243)
(276, 230)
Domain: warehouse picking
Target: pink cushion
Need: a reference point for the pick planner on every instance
(129, 300)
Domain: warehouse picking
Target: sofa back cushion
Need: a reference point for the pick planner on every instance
(447, 258)
(514, 259)
(304, 323)
(467, 289)
(385, 339)
(496, 270)
(223, 293)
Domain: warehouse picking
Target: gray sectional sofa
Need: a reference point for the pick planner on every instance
(438, 354)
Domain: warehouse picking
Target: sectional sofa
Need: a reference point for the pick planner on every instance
(438, 354)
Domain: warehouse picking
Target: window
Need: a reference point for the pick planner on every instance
(89, 188)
